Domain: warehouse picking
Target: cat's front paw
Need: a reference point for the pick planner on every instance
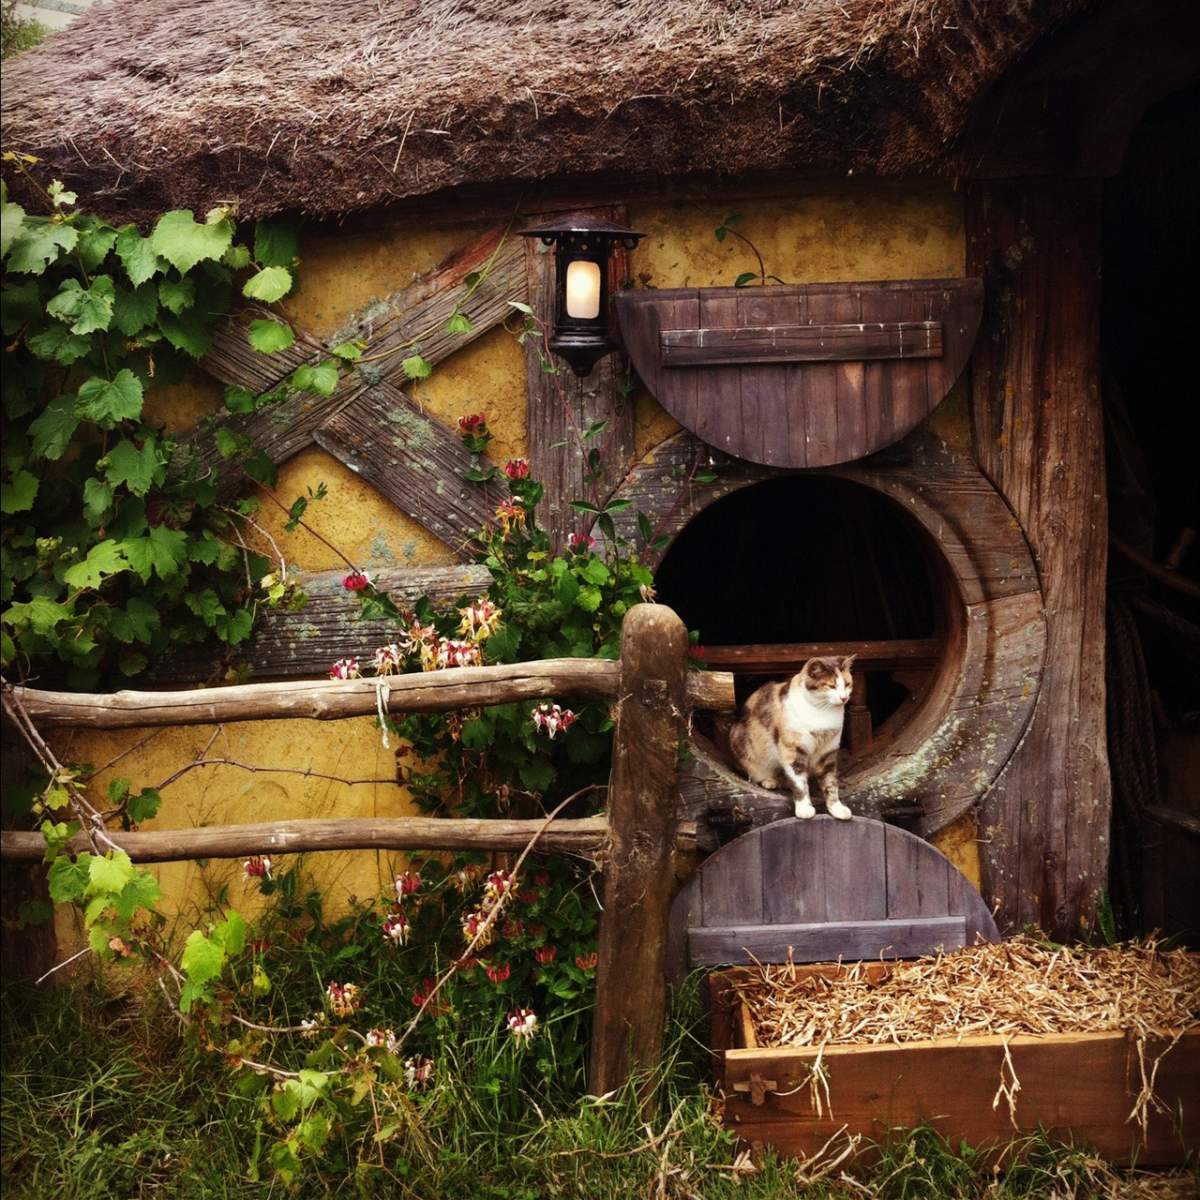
(838, 809)
(770, 784)
(805, 810)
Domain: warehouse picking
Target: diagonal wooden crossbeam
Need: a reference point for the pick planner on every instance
(384, 437)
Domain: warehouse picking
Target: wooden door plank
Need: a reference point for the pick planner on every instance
(918, 883)
(825, 941)
(731, 884)
(855, 867)
(755, 341)
(793, 875)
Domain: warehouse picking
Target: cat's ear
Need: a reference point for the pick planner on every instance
(847, 661)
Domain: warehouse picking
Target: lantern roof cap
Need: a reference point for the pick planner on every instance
(581, 223)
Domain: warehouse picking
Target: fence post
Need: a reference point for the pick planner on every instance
(631, 992)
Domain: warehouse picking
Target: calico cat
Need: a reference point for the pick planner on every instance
(793, 730)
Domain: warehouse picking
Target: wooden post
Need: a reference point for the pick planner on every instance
(631, 989)
(1039, 435)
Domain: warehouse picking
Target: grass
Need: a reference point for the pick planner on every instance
(104, 1097)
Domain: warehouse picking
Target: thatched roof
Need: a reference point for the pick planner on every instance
(334, 107)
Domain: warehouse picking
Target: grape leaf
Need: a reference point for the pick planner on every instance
(143, 806)
(163, 551)
(203, 958)
(20, 305)
(322, 379)
(188, 332)
(236, 257)
(206, 605)
(276, 243)
(459, 322)
(41, 614)
(136, 622)
(137, 254)
(110, 402)
(133, 467)
(67, 879)
(133, 311)
(18, 494)
(38, 243)
(52, 429)
(234, 627)
(269, 285)
(177, 294)
(267, 337)
(85, 310)
(12, 217)
(94, 245)
(109, 872)
(103, 559)
(415, 367)
(183, 242)
(58, 344)
(97, 499)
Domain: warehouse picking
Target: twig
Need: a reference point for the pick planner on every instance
(66, 962)
(488, 921)
(241, 766)
(303, 524)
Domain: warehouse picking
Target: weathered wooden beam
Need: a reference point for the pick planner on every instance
(585, 835)
(413, 460)
(415, 314)
(792, 655)
(801, 343)
(627, 1027)
(1039, 434)
(561, 407)
(306, 642)
(335, 699)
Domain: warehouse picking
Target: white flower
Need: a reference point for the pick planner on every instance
(496, 885)
(378, 1038)
(396, 928)
(310, 1026)
(345, 668)
(550, 719)
(417, 1072)
(344, 998)
(387, 659)
(257, 867)
(480, 620)
(522, 1024)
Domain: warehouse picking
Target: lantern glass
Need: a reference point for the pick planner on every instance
(583, 290)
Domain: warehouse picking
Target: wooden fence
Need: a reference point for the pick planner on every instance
(653, 693)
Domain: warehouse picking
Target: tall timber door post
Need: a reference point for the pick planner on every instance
(631, 989)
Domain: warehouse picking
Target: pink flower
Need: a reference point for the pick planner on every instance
(258, 867)
(550, 719)
(587, 962)
(510, 515)
(517, 468)
(407, 883)
(498, 974)
(513, 928)
(472, 926)
(545, 954)
(417, 1072)
(495, 885)
(450, 652)
(522, 1024)
(542, 878)
(480, 620)
(476, 423)
(421, 996)
(376, 1039)
(345, 668)
(581, 542)
(396, 928)
(344, 999)
(356, 581)
(387, 659)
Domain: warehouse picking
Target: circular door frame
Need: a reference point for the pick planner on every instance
(981, 698)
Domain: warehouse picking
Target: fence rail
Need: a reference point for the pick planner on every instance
(654, 693)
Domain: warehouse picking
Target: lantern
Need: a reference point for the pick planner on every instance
(582, 246)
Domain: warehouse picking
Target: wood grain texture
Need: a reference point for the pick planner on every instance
(897, 652)
(984, 686)
(410, 321)
(586, 835)
(561, 407)
(1038, 434)
(630, 1012)
(825, 941)
(1079, 1087)
(336, 699)
(305, 643)
(750, 344)
(827, 889)
(413, 460)
(806, 376)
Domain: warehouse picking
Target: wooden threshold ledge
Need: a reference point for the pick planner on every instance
(585, 835)
(334, 699)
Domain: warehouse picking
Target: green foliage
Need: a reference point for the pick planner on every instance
(110, 534)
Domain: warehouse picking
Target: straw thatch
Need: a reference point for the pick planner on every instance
(331, 108)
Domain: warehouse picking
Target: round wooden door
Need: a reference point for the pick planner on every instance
(820, 890)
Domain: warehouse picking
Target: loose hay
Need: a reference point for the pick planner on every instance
(1006, 989)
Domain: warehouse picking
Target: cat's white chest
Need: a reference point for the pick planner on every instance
(809, 723)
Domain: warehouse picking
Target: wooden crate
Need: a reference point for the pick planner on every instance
(1079, 1087)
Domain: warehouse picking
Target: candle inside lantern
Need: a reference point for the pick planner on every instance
(583, 290)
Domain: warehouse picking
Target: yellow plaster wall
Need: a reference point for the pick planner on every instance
(855, 232)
